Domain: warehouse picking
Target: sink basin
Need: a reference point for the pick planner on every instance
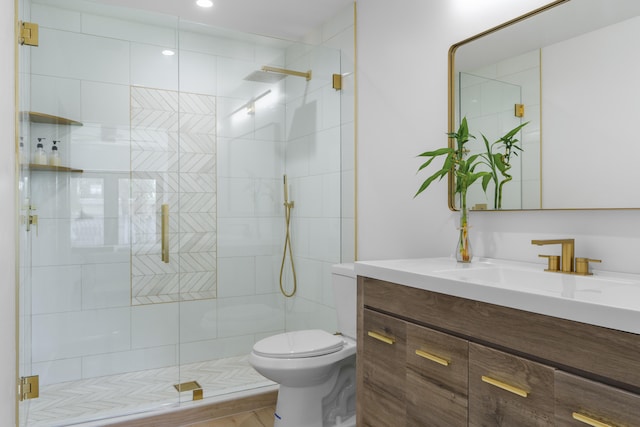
(596, 289)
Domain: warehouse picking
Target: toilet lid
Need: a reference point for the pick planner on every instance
(299, 344)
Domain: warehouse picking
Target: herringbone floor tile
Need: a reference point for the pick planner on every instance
(104, 397)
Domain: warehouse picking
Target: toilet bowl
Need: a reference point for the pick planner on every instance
(315, 369)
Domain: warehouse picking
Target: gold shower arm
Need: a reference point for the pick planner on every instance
(306, 75)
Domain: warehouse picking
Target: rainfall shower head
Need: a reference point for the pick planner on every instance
(265, 77)
(273, 75)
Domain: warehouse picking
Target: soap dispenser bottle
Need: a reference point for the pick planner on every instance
(54, 157)
(40, 157)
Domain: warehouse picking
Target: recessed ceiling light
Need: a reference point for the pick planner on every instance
(168, 52)
(204, 3)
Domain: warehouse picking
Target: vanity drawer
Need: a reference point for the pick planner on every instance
(507, 390)
(580, 401)
(437, 378)
(383, 370)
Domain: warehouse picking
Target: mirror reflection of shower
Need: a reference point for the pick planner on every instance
(288, 205)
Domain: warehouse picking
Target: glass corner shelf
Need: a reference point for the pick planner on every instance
(35, 117)
(36, 167)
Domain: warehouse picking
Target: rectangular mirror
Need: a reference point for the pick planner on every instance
(570, 71)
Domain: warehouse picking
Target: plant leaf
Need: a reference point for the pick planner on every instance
(435, 153)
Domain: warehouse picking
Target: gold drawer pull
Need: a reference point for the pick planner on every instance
(433, 358)
(590, 421)
(381, 337)
(507, 387)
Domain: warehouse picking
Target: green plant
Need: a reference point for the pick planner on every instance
(500, 162)
(457, 162)
(464, 172)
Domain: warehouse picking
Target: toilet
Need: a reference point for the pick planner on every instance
(316, 369)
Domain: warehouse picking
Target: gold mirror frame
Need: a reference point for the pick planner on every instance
(451, 84)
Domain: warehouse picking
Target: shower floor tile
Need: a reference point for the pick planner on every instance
(92, 399)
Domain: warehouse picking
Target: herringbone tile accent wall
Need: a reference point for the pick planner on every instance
(173, 161)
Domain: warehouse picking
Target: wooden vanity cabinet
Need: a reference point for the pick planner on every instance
(459, 362)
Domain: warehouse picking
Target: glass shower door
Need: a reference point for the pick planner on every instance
(27, 219)
(93, 265)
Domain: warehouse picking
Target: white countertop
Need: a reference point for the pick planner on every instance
(611, 300)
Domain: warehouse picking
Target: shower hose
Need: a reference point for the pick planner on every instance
(287, 245)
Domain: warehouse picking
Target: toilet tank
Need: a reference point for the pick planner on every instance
(343, 277)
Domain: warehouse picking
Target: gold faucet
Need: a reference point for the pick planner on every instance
(568, 245)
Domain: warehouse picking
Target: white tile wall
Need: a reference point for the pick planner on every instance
(150, 68)
(56, 289)
(106, 285)
(154, 325)
(268, 273)
(237, 277)
(324, 239)
(310, 279)
(270, 116)
(113, 28)
(80, 333)
(103, 103)
(64, 54)
(198, 320)
(56, 18)
(128, 361)
(304, 314)
(198, 73)
(325, 153)
(56, 96)
(250, 315)
(58, 371)
(219, 46)
(307, 194)
(200, 351)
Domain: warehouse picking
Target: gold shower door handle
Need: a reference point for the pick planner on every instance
(165, 233)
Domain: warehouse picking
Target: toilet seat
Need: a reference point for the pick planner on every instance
(299, 344)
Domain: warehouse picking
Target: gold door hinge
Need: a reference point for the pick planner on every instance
(29, 387)
(337, 81)
(518, 110)
(28, 34)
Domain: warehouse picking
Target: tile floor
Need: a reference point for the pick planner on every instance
(81, 401)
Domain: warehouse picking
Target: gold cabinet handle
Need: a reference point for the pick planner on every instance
(504, 386)
(590, 421)
(381, 337)
(432, 357)
(165, 233)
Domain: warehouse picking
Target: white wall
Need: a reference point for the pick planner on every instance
(402, 111)
(7, 218)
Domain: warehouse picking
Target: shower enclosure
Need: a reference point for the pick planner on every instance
(150, 257)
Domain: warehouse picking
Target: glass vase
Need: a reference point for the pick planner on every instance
(463, 249)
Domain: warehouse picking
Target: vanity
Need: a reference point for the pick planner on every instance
(495, 343)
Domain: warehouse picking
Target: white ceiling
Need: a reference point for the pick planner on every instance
(285, 19)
